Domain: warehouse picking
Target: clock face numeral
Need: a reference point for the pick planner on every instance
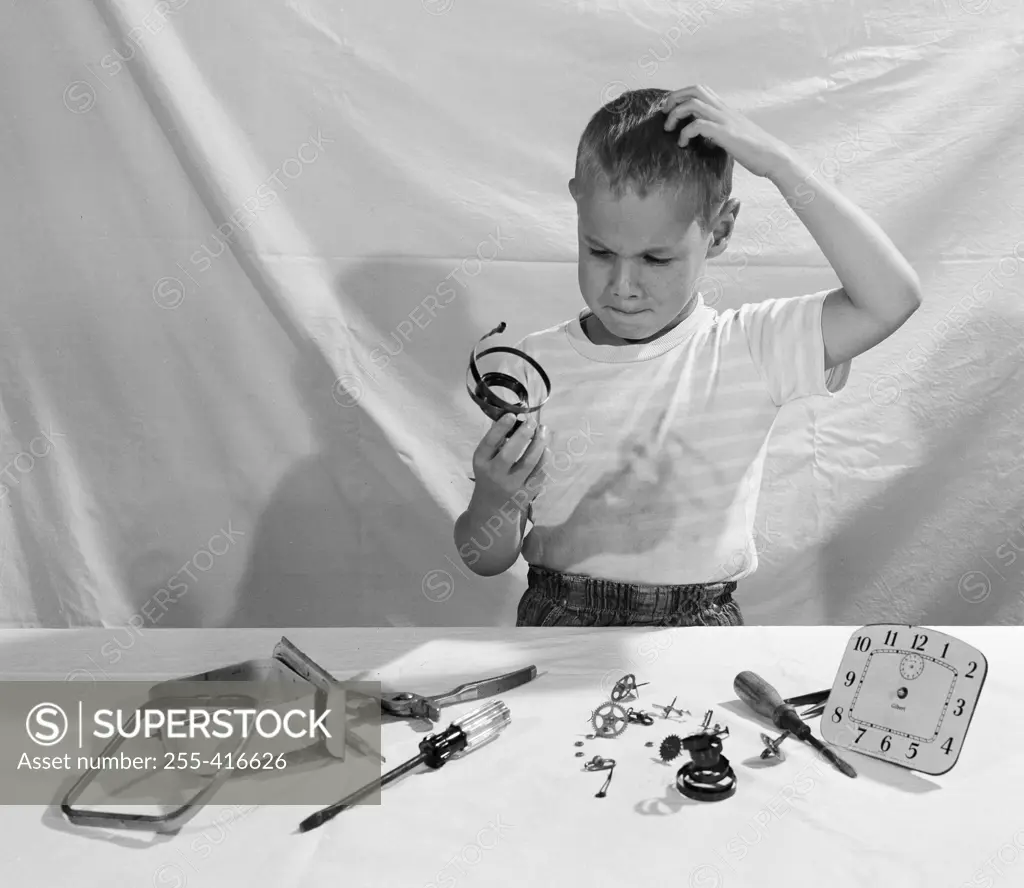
(906, 695)
(885, 744)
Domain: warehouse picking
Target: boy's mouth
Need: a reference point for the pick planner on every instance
(622, 311)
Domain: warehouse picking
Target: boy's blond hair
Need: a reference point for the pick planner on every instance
(625, 146)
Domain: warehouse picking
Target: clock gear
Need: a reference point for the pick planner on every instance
(609, 720)
(670, 748)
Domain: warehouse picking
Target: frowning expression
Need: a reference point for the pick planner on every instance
(640, 258)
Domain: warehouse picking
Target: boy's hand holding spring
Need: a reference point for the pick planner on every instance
(507, 471)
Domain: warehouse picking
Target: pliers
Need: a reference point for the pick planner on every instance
(819, 698)
(408, 705)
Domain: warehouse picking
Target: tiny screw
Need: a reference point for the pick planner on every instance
(578, 743)
(580, 754)
(649, 743)
(590, 736)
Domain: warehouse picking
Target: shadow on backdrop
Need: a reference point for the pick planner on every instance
(919, 503)
(310, 562)
(317, 549)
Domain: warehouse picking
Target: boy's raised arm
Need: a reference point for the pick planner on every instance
(880, 290)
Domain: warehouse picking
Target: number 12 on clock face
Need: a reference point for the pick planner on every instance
(906, 695)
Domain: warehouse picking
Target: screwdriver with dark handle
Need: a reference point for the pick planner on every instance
(767, 702)
(468, 733)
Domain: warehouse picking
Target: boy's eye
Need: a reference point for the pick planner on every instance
(653, 260)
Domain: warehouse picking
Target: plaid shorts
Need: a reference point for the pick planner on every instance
(563, 599)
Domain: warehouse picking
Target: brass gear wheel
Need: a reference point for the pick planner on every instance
(609, 720)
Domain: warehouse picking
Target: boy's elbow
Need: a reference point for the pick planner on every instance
(483, 564)
(483, 567)
(914, 295)
(903, 308)
(488, 570)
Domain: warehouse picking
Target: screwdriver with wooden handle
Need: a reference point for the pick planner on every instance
(766, 701)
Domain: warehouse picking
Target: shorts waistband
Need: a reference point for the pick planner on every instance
(580, 590)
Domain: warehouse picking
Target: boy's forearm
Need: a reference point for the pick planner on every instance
(876, 277)
(489, 540)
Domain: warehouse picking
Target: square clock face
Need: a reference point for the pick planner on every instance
(905, 694)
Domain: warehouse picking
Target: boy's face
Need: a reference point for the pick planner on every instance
(640, 258)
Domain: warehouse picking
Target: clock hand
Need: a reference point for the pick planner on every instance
(766, 701)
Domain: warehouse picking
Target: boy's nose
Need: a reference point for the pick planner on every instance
(623, 280)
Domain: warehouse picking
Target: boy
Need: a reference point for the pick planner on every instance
(661, 408)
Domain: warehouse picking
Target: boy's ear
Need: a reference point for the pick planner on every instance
(572, 189)
(725, 223)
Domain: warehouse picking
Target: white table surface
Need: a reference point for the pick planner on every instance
(522, 811)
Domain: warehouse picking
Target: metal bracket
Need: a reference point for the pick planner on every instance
(289, 676)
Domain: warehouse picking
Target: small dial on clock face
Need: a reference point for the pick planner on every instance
(911, 666)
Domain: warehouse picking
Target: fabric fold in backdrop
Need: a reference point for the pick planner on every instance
(248, 252)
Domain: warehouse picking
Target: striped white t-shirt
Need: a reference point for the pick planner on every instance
(657, 450)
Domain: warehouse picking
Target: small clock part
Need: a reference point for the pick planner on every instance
(639, 717)
(708, 777)
(601, 764)
(626, 688)
(609, 720)
(905, 694)
(771, 749)
(670, 748)
(668, 710)
(707, 719)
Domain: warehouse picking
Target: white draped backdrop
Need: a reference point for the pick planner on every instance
(248, 247)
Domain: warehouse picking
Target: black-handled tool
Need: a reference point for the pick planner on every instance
(468, 733)
(767, 702)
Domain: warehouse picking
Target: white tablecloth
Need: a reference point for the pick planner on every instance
(522, 810)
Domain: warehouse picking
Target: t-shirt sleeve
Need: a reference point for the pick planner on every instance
(787, 346)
